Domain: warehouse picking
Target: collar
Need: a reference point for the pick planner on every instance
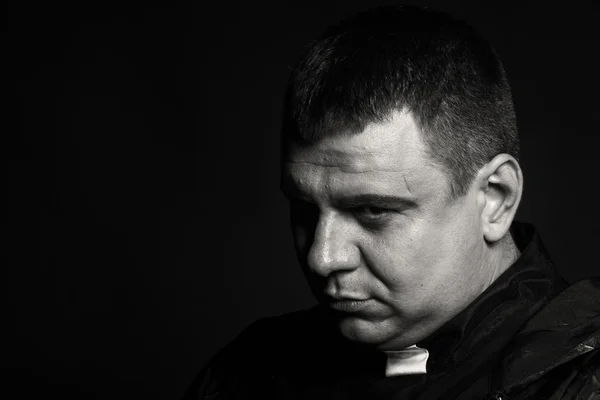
(409, 361)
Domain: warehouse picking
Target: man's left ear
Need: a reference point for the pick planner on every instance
(501, 186)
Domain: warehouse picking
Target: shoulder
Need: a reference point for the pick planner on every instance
(257, 353)
(584, 382)
(559, 347)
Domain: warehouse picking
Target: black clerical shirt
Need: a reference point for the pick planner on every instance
(519, 339)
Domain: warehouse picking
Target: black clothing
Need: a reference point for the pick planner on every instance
(528, 336)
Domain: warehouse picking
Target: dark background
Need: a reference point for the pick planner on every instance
(145, 228)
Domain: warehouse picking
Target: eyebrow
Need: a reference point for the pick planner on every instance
(375, 200)
(356, 200)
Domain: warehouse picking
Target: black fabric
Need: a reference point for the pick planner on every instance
(481, 351)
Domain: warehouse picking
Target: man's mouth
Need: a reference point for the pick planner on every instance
(348, 305)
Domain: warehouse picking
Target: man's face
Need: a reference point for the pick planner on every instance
(379, 238)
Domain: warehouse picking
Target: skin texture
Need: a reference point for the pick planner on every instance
(372, 221)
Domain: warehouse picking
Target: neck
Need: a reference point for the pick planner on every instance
(505, 253)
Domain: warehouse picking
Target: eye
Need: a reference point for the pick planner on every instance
(371, 210)
(303, 212)
(371, 213)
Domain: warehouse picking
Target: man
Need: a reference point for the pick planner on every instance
(400, 161)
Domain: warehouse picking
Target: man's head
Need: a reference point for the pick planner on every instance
(394, 58)
(400, 149)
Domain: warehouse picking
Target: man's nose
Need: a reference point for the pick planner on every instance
(333, 247)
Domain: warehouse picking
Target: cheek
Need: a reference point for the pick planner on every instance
(303, 220)
(299, 236)
(451, 251)
(425, 256)
(400, 259)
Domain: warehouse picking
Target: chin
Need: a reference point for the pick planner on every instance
(386, 334)
(372, 333)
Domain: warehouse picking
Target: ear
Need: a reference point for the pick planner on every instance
(501, 187)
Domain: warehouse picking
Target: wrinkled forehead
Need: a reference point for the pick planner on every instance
(349, 160)
(387, 156)
(389, 145)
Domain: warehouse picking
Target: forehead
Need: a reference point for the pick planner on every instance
(387, 155)
(379, 146)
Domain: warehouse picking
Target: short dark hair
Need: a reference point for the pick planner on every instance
(403, 57)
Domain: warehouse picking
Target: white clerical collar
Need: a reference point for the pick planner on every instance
(411, 360)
